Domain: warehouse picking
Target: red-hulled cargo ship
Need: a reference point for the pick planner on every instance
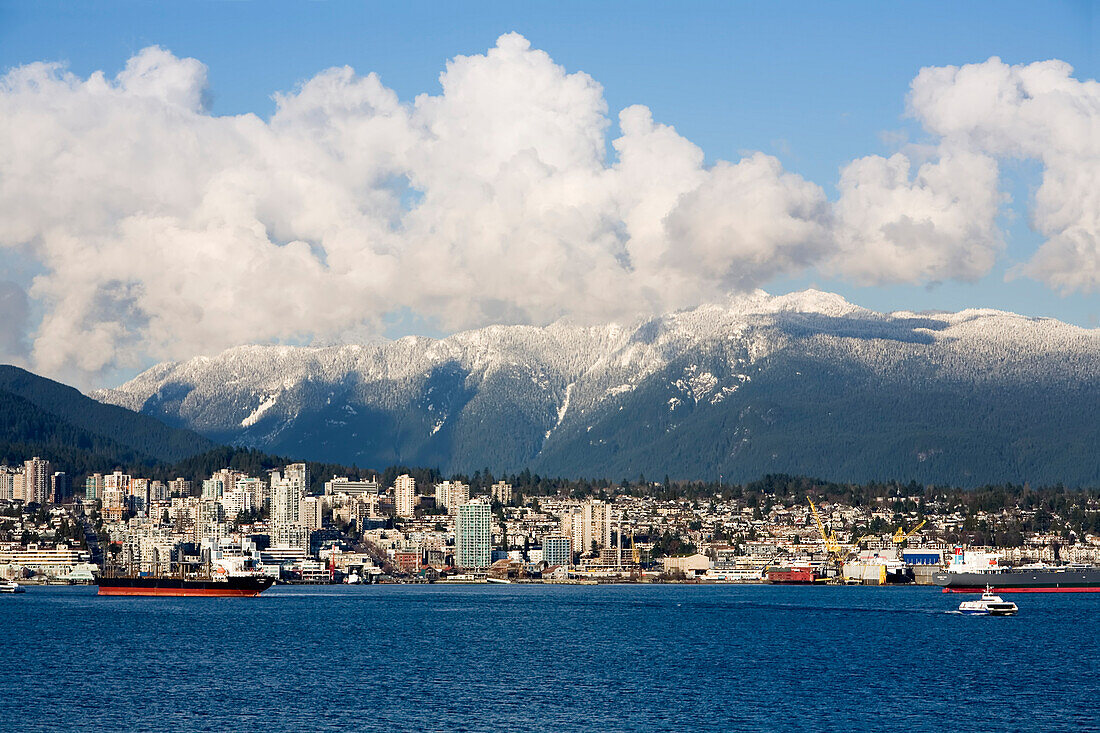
(800, 575)
(147, 585)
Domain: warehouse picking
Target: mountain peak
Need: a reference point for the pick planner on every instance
(799, 383)
(801, 301)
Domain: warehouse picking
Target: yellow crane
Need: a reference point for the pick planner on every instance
(901, 535)
(838, 551)
(829, 538)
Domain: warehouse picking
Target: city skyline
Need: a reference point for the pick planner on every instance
(549, 366)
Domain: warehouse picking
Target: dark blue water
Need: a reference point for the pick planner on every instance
(553, 658)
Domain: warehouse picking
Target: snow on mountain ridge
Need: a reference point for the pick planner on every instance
(250, 385)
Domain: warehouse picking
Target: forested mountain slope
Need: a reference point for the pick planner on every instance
(47, 417)
(805, 383)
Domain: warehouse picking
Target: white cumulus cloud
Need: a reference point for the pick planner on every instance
(162, 231)
(897, 225)
(1035, 111)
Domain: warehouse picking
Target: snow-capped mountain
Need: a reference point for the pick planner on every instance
(802, 383)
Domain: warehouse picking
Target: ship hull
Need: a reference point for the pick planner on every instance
(233, 587)
(1078, 580)
(794, 576)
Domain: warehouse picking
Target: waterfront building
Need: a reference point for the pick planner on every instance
(404, 495)
(450, 495)
(557, 550)
(474, 535)
(52, 562)
(690, 565)
(407, 560)
(501, 491)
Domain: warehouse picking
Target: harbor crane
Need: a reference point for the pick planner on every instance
(833, 546)
(901, 535)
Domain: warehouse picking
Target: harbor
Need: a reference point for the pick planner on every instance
(288, 528)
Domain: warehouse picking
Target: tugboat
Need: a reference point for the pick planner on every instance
(988, 605)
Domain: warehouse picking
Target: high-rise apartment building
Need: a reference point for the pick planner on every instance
(61, 487)
(588, 524)
(179, 487)
(501, 491)
(474, 535)
(36, 478)
(139, 496)
(94, 486)
(7, 483)
(284, 500)
(287, 491)
(450, 495)
(234, 502)
(309, 512)
(212, 489)
(255, 488)
(404, 495)
(158, 491)
(298, 473)
(117, 481)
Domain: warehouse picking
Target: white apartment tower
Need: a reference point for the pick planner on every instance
(450, 495)
(501, 491)
(7, 483)
(587, 524)
(404, 495)
(309, 512)
(287, 492)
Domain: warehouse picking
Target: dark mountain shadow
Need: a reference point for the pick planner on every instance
(904, 330)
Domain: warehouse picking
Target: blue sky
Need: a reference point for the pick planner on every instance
(814, 84)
